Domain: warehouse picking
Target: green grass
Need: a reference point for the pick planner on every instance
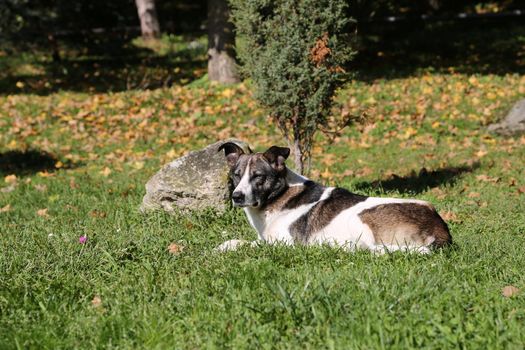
(92, 154)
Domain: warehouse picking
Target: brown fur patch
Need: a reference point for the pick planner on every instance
(399, 223)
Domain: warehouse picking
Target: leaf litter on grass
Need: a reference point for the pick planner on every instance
(117, 140)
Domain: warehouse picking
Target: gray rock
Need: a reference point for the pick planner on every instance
(195, 181)
(514, 122)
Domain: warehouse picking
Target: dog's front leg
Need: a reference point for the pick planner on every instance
(233, 244)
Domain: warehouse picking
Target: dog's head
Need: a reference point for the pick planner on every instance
(258, 178)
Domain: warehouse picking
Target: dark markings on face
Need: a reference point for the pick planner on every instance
(321, 214)
(406, 222)
(237, 172)
(266, 182)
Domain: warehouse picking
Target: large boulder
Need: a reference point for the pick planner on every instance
(195, 181)
(514, 122)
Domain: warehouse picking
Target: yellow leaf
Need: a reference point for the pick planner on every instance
(20, 84)
(45, 174)
(326, 173)
(427, 90)
(228, 93)
(171, 153)
(106, 171)
(491, 95)
(138, 165)
(5, 209)
(409, 132)
(53, 198)
(12, 145)
(481, 153)
(435, 125)
(59, 165)
(371, 100)
(10, 179)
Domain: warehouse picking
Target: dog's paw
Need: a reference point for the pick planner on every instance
(230, 245)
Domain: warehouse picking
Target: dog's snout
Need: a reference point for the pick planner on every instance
(237, 197)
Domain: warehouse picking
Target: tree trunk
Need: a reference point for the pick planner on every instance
(222, 66)
(298, 157)
(149, 23)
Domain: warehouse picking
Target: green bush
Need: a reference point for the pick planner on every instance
(294, 51)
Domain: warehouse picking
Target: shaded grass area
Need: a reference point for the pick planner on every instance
(101, 63)
(494, 46)
(110, 62)
(418, 182)
(81, 161)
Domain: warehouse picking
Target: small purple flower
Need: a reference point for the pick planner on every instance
(82, 239)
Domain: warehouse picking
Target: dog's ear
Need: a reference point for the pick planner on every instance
(232, 151)
(276, 156)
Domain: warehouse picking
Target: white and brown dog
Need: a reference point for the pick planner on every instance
(286, 207)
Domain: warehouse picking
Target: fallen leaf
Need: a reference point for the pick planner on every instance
(481, 153)
(97, 301)
(40, 188)
(175, 248)
(439, 193)
(72, 184)
(42, 212)
(326, 174)
(10, 179)
(138, 165)
(474, 195)
(228, 93)
(106, 171)
(8, 189)
(365, 171)
(97, 214)
(171, 153)
(449, 216)
(5, 209)
(509, 291)
(487, 178)
(45, 174)
(521, 190)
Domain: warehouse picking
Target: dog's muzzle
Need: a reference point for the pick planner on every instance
(239, 200)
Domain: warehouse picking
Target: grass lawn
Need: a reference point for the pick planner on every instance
(73, 163)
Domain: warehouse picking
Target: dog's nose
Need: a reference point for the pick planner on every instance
(238, 197)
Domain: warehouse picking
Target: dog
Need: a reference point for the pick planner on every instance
(285, 207)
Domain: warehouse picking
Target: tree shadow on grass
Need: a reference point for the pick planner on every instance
(398, 50)
(416, 183)
(98, 65)
(22, 163)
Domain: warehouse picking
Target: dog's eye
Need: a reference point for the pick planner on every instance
(258, 177)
